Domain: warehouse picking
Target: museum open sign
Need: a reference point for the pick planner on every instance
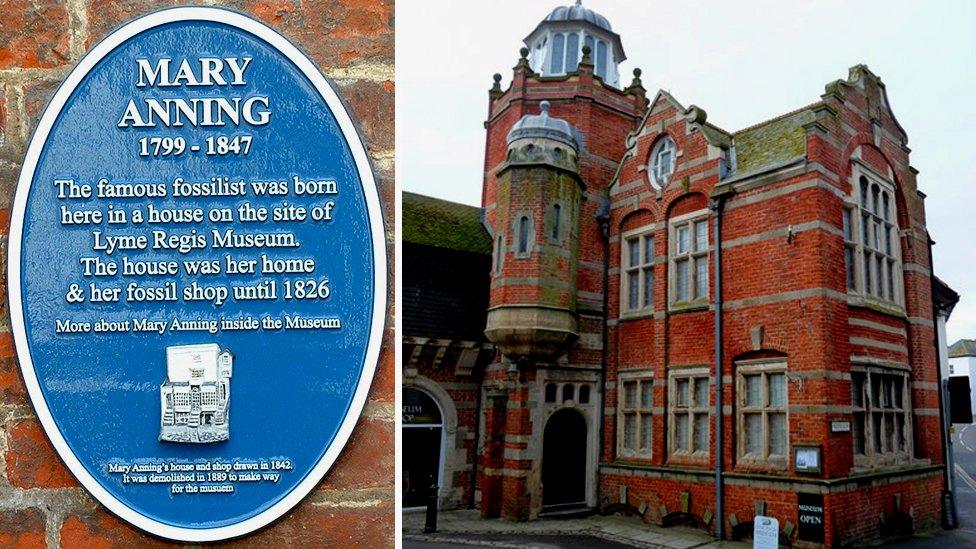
(197, 273)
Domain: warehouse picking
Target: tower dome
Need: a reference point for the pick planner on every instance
(546, 127)
(556, 44)
(577, 12)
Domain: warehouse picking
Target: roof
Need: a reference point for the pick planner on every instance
(943, 297)
(963, 347)
(773, 141)
(443, 224)
(577, 12)
(545, 126)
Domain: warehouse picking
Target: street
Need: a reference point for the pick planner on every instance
(513, 542)
(964, 451)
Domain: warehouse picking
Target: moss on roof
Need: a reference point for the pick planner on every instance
(435, 222)
(773, 141)
(963, 347)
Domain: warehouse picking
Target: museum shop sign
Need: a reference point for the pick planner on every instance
(197, 274)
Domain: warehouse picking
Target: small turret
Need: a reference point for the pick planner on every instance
(533, 296)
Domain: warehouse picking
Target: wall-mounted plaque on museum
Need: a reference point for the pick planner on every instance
(197, 273)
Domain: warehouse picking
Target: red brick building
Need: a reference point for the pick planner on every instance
(652, 272)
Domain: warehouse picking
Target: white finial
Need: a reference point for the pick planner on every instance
(545, 108)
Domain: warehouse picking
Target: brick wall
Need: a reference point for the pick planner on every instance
(351, 41)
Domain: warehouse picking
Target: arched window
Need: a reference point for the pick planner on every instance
(584, 394)
(660, 164)
(872, 254)
(568, 392)
(572, 51)
(499, 253)
(558, 43)
(601, 59)
(551, 390)
(556, 215)
(523, 234)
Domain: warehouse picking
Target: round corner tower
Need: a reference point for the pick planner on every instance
(533, 297)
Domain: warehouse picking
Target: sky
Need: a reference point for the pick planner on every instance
(743, 62)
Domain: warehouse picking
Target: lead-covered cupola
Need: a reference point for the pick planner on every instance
(556, 44)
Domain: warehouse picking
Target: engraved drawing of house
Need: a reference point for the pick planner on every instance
(195, 398)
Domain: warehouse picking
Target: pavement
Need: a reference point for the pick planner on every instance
(466, 528)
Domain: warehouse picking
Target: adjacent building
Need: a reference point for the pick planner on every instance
(962, 362)
(684, 323)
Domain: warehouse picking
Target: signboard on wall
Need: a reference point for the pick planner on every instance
(197, 273)
(810, 509)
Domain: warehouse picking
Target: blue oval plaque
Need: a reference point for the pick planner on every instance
(197, 273)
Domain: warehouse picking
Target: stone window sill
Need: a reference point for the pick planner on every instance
(700, 304)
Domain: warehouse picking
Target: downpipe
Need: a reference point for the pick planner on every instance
(717, 207)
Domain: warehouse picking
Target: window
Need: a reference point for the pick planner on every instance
(688, 412)
(565, 53)
(523, 235)
(499, 253)
(556, 211)
(850, 248)
(568, 392)
(637, 266)
(558, 44)
(572, 52)
(761, 419)
(584, 394)
(872, 245)
(600, 66)
(881, 426)
(661, 162)
(551, 392)
(689, 260)
(635, 402)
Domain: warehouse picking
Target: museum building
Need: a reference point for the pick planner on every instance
(655, 316)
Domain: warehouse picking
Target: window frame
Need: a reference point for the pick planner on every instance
(859, 245)
(692, 255)
(644, 265)
(691, 374)
(639, 411)
(657, 180)
(498, 262)
(556, 222)
(871, 458)
(763, 369)
(530, 234)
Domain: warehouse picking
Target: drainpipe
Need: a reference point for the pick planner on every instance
(477, 435)
(949, 520)
(717, 206)
(603, 218)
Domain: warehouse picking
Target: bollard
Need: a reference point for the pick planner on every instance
(430, 522)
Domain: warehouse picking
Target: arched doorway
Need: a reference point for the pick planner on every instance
(423, 446)
(564, 460)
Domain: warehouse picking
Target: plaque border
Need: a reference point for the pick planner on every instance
(377, 237)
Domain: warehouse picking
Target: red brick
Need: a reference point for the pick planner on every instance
(34, 34)
(24, 528)
(335, 33)
(31, 461)
(372, 105)
(100, 530)
(12, 389)
(366, 461)
(325, 526)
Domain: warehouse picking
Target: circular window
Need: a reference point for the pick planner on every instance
(660, 165)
